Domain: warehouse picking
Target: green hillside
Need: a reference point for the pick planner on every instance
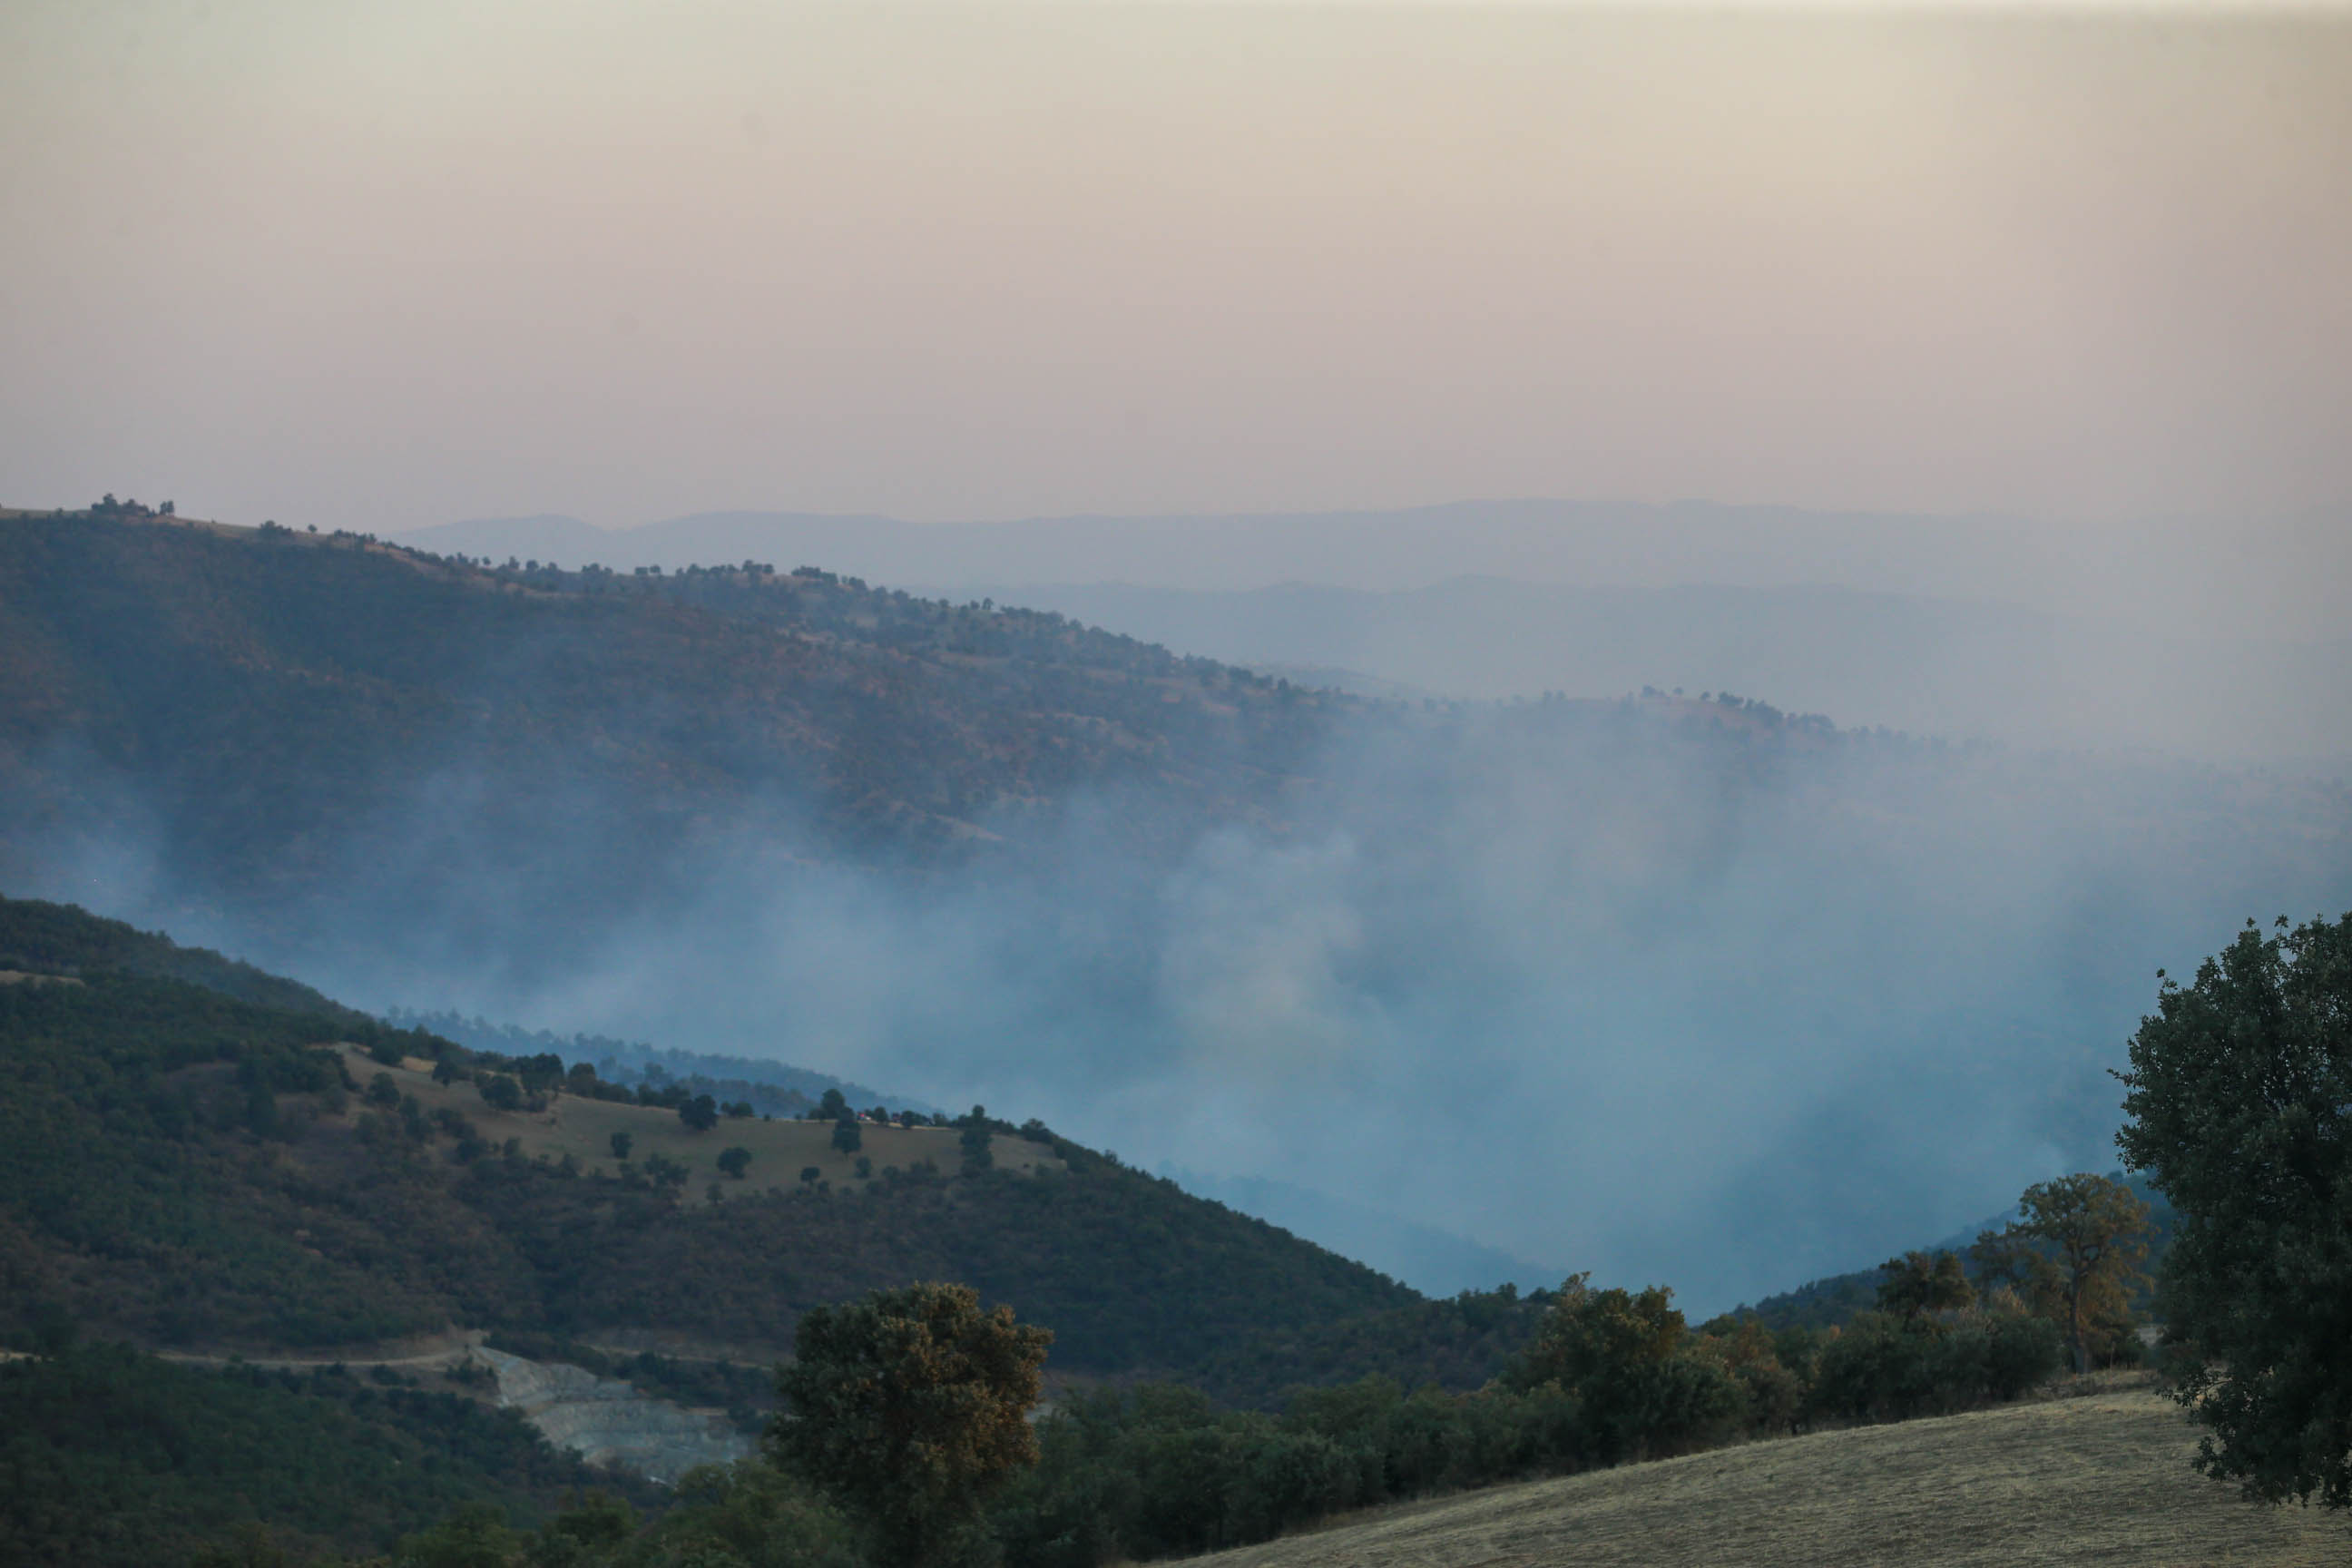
(57, 939)
(181, 1167)
(113, 1459)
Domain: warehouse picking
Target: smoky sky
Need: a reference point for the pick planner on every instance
(381, 267)
(1597, 990)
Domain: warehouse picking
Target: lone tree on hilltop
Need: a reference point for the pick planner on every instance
(700, 1114)
(2078, 1241)
(908, 1409)
(1920, 1282)
(833, 1106)
(2240, 1105)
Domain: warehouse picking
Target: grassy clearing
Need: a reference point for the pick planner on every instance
(2103, 1477)
(584, 1129)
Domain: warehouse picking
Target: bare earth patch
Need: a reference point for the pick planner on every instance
(2101, 1479)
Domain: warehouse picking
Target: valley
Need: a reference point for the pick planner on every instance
(1562, 784)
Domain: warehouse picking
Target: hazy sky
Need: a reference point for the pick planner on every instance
(385, 265)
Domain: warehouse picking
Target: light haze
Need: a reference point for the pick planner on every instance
(386, 267)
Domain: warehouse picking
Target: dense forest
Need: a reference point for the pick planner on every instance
(111, 1458)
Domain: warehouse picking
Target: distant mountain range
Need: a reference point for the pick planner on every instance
(1961, 628)
(1962, 669)
(2214, 577)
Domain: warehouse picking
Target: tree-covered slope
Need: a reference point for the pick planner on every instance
(39, 937)
(181, 1167)
(261, 701)
(110, 1458)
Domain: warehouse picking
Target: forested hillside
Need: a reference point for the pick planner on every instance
(112, 1459)
(273, 692)
(179, 1167)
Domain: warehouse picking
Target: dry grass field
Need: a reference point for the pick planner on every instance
(584, 1129)
(2103, 1477)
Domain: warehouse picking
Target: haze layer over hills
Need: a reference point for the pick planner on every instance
(2204, 639)
(1790, 995)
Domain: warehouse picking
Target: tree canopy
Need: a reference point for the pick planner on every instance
(2241, 1107)
(909, 1408)
(1920, 1282)
(2076, 1245)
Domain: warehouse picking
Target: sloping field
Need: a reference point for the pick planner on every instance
(779, 1150)
(2100, 1478)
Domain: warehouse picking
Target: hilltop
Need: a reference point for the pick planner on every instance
(181, 650)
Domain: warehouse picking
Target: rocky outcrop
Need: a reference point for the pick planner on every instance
(607, 1422)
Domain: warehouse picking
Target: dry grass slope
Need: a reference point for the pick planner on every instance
(2099, 1479)
(584, 1129)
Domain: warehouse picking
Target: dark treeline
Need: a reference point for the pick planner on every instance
(110, 1458)
(1159, 1470)
(1610, 1377)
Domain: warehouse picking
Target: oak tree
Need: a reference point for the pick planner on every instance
(2077, 1243)
(2241, 1108)
(908, 1409)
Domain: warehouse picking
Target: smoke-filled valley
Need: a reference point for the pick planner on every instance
(1666, 989)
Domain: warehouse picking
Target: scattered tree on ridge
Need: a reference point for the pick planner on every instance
(735, 1162)
(700, 1114)
(2240, 1106)
(846, 1136)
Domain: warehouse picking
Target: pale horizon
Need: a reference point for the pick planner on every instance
(624, 262)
